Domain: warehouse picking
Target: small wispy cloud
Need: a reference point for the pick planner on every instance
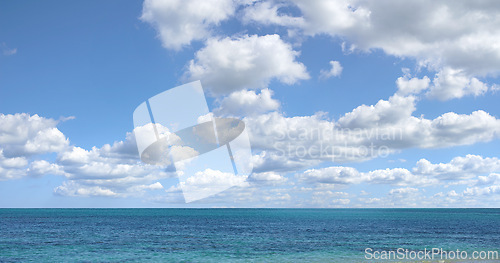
(6, 50)
(63, 118)
(334, 71)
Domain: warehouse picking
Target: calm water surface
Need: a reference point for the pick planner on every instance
(242, 235)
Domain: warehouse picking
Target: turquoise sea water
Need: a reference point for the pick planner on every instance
(238, 235)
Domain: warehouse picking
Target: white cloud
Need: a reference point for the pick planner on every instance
(370, 200)
(266, 13)
(10, 52)
(247, 62)
(277, 197)
(460, 35)
(325, 198)
(349, 175)
(403, 191)
(247, 102)
(459, 40)
(23, 135)
(447, 84)
(291, 143)
(342, 201)
(495, 88)
(42, 167)
(395, 117)
(266, 161)
(180, 22)
(112, 168)
(414, 197)
(323, 195)
(73, 189)
(407, 85)
(12, 168)
(209, 177)
(392, 111)
(14, 162)
(209, 182)
(493, 178)
(334, 71)
(398, 176)
(424, 173)
(154, 186)
(478, 191)
(453, 84)
(459, 167)
(331, 175)
(266, 178)
(332, 17)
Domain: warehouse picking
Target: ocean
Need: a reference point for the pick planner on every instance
(240, 235)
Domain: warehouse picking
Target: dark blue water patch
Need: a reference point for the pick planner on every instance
(205, 235)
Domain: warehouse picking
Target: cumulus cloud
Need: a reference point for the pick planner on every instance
(459, 40)
(453, 84)
(446, 130)
(436, 33)
(398, 176)
(112, 170)
(73, 189)
(109, 169)
(14, 162)
(334, 71)
(342, 201)
(493, 178)
(424, 174)
(24, 137)
(247, 102)
(271, 160)
(385, 112)
(447, 84)
(12, 168)
(408, 85)
(403, 191)
(459, 167)
(43, 167)
(349, 175)
(332, 175)
(364, 133)
(22, 134)
(246, 62)
(209, 177)
(332, 17)
(266, 178)
(180, 22)
(267, 13)
(208, 182)
(419, 197)
(478, 191)
(411, 190)
(370, 201)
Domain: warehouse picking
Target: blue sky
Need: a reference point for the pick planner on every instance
(72, 73)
